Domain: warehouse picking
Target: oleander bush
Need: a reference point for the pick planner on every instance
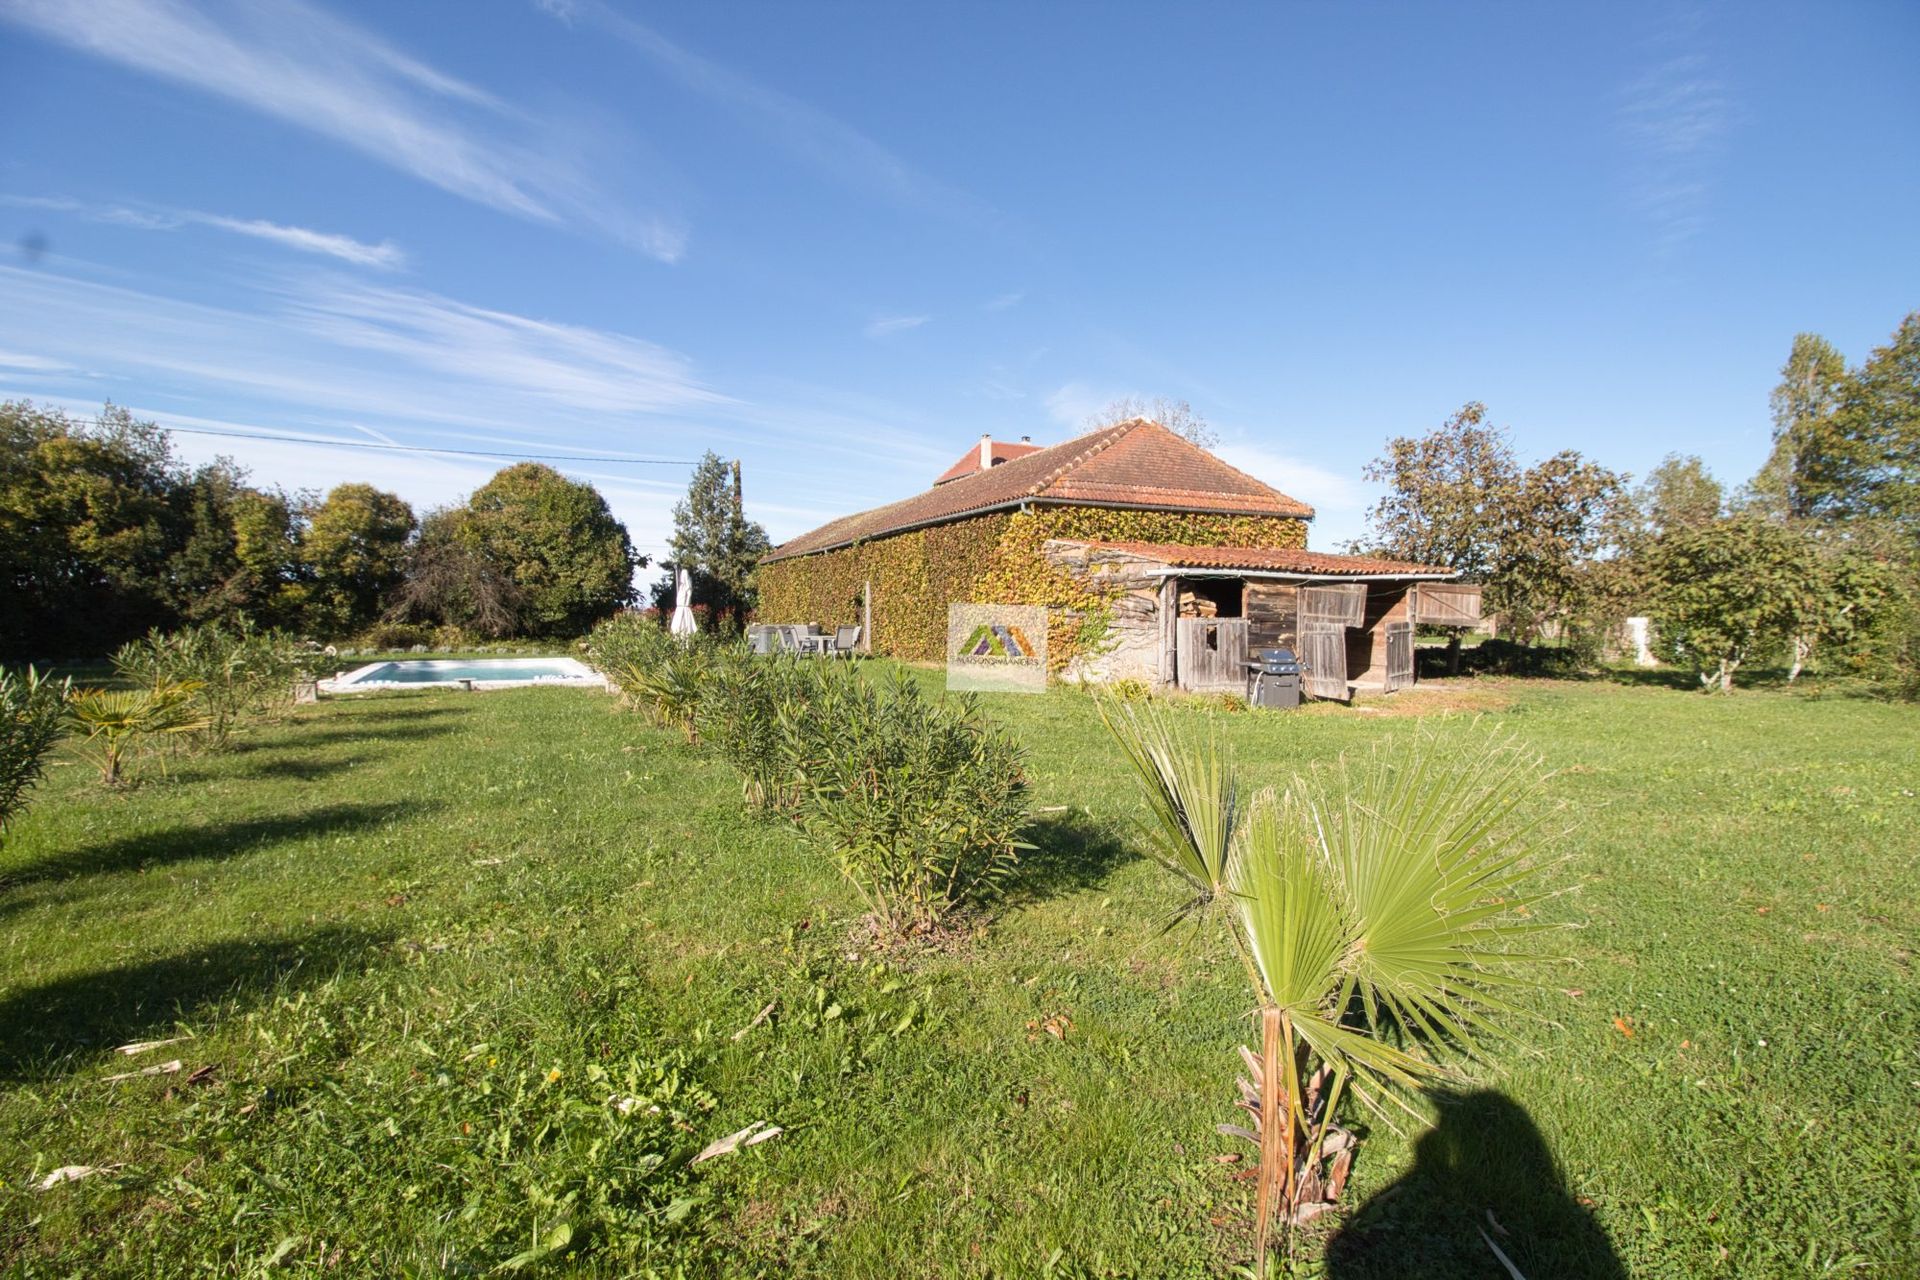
(31, 709)
(918, 802)
(237, 673)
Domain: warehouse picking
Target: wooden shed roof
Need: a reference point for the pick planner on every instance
(1132, 464)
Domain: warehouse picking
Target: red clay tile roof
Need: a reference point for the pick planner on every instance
(1132, 464)
(1003, 451)
(1181, 556)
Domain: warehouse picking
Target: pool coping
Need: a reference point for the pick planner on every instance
(355, 681)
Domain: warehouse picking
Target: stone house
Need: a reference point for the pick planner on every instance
(1156, 561)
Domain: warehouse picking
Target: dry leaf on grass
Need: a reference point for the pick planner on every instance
(71, 1173)
(147, 1046)
(747, 1137)
(1624, 1027)
(158, 1069)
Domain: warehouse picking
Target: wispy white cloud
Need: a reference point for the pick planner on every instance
(336, 345)
(1339, 499)
(885, 326)
(385, 255)
(33, 364)
(1072, 403)
(1673, 120)
(581, 367)
(287, 60)
(805, 132)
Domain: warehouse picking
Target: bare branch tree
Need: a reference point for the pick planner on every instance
(1176, 416)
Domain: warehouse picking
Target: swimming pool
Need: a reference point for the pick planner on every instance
(477, 673)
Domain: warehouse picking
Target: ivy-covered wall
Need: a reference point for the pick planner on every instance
(993, 559)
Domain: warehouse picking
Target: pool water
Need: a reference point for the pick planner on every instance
(445, 672)
(490, 673)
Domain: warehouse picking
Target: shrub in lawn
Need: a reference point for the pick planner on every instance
(1376, 905)
(741, 710)
(919, 803)
(30, 714)
(117, 724)
(236, 672)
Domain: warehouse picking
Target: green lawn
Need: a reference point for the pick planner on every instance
(470, 977)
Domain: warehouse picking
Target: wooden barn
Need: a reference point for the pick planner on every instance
(1182, 565)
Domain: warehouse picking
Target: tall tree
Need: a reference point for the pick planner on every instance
(1872, 472)
(558, 542)
(1803, 404)
(1176, 416)
(354, 549)
(713, 538)
(450, 580)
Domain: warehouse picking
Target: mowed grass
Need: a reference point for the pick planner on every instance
(469, 979)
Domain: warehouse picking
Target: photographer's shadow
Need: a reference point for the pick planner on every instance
(1484, 1168)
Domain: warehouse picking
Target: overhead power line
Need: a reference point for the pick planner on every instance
(422, 448)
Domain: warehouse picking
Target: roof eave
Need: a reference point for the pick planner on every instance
(1029, 501)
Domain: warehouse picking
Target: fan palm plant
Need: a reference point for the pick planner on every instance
(1376, 904)
(118, 722)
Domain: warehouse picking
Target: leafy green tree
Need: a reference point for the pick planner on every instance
(1680, 493)
(87, 528)
(713, 538)
(1727, 593)
(354, 549)
(1458, 497)
(557, 541)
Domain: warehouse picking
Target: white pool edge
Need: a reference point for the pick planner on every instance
(355, 681)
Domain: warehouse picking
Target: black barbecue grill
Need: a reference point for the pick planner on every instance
(1273, 679)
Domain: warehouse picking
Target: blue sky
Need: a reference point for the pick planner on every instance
(839, 242)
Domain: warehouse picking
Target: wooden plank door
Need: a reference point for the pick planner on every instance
(1341, 604)
(1212, 653)
(1323, 659)
(1399, 655)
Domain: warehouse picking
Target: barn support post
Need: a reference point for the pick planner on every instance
(866, 616)
(1169, 623)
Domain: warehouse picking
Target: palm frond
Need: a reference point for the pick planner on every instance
(1192, 791)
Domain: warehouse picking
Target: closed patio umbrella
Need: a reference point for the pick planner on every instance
(683, 623)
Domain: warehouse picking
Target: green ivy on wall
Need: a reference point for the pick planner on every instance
(991, 559)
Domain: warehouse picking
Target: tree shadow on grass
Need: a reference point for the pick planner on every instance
(1484, 1155)
(357, 730)
(42, 1027)
(1071, 851)
(300, 769)
(217, 840)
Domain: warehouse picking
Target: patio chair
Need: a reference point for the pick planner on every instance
(845, 641)
(762, 640)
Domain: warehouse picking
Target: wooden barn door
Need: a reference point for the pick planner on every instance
(1326, 611)
(1323, 658)
(1212, 653)
(1399, 655)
